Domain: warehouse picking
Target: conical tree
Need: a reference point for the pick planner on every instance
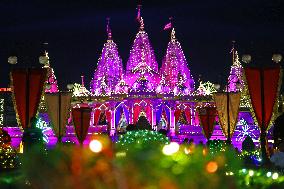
(109, 68)
(174, 63)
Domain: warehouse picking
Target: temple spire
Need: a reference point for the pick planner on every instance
(173, 35)
(82, 80)
(141, 24)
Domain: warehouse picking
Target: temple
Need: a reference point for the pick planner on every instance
(165, 98)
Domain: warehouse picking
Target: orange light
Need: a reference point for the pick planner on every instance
(211, 167)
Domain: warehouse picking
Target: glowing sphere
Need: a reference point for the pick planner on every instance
(95, 146)
(211, 167)
(268, 174)
(275, 176)
(251, 173)
(171, 148)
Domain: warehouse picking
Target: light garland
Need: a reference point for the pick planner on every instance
(2, 111)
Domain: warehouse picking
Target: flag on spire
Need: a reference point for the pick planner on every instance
(138, 13)
(169, 25)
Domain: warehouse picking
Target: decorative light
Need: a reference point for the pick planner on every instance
(275, 176)
(251, 173)
(276, 58)
(268, 174)
(96, 146)
(171, 148)
(43, 60)
(211, 167)
(2, 111)
(246, 58)
(12, 60)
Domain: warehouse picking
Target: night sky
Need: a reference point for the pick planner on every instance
(75, 33)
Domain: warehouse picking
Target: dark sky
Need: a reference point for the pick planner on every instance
(75, 32)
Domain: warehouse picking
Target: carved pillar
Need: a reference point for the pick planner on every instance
(112, 122)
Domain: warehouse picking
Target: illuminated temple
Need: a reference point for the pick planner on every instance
(168, 97)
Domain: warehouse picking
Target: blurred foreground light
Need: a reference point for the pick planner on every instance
(268, 174)
(96, 146)
(275, 176)
(251, 173)
(211, 167)
(171, 148)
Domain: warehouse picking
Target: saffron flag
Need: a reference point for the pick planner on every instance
(58, 105)
(221, 105)
(168, 26)
(27, 88)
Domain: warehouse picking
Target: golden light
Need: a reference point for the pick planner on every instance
(187, 151)
(96, 146)
(171, 148)
(211, 167)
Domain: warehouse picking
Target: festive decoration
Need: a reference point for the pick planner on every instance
(58, 106)
(142, 137)
(221, 101)
(27, 82)
(81, 118)
(174, 67)
(8, 157)
(207, 117)
(245, 130)
(51, 81)
(80, 91)
(2, 111)
(142, 61)
(41, 124)
(263, 86)
(109, 68)
(206, 88)
(235, 80)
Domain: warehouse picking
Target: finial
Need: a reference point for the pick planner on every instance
(141, 24)
(138, 13)
(233, 51)
(108, 30)
(173, 35)
(82, 79)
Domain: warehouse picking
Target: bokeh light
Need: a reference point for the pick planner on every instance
(96, 146)
(171, 148)
(211, 167)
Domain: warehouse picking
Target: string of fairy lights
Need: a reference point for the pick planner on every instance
(2, 111)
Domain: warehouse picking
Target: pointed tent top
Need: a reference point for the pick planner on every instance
(173, 35)
(108, 30)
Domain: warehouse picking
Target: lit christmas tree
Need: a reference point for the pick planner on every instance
(142, 60)
(109, 68)
(51, 79)
(7, 155)
(236, 74)
(174, 63)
